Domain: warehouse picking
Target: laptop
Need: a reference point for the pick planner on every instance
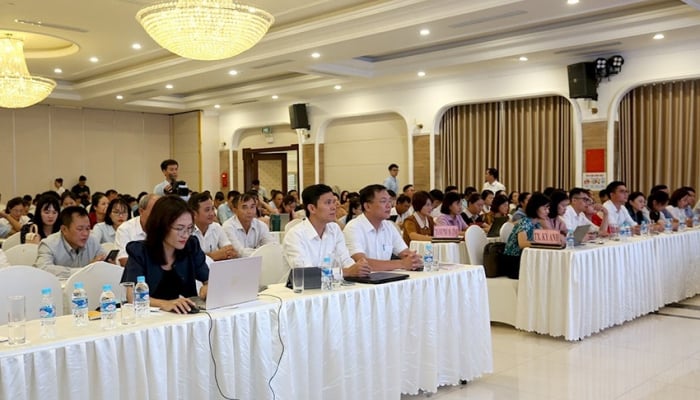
(231, 282)
(495, 230)
(377, 278)
(580, 234)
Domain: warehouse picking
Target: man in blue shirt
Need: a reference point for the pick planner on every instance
(391, 183)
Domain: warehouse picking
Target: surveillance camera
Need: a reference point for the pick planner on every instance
(419, 126)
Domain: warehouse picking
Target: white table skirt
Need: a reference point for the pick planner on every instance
(575, 293)
(449, 253)
(359, 342)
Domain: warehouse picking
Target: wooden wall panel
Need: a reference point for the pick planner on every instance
(421, 162)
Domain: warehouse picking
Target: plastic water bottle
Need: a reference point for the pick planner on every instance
(681, 221)
(428, 258)
(570, 242)
(337, 272)
(326, 274)
(142, 299)
(668, 227)
(696, 220)
(644, 229)
(79, 305)
(108, 308)
(47, 314)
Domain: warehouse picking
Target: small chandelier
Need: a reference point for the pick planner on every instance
(205, 29)
(18, 89)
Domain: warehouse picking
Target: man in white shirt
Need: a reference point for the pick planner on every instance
(371, 236)
(575, 215)
(402, 210)
(210, 234)
(492, 182)
(170, 172)
(318, 236)
(225, 210)
(391, 182)
(58, 186)
(245, 232)
(133, 229)
(617, 212)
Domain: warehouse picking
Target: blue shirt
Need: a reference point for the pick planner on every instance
(391, 183)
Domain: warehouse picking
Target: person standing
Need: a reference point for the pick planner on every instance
(170, 172)
(82, 190)
(492, 182)
(391, 182)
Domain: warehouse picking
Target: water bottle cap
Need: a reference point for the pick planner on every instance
(327, 259)
(78, 285)
(140, 279)
(106, 288)
(45, 291)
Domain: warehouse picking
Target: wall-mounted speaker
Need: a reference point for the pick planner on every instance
(583, 83)
(298, 119)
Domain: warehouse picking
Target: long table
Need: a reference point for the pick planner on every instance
(361, 341)
(576, 293)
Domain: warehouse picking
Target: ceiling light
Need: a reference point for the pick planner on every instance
(337, 87)
(316, 55)
(205, 29)
(18, 89)
(57, 71)
(659, 36)
(275, 97)
(421, 73)
(168, 86)
(233, 72)
(571, 2)
(217, 106)
(136, 46)
(120, 97)
(94, 59)
(523, 58)
(425, 32)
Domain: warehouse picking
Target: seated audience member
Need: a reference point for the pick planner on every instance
(677, 204)
(617, 213)
(225, 210)
(519, 212)
(82, 191)
(98, 208)
(340, 211)
(355, 209)
(487, 197)
(244, 230)
(499, 208)
(117, 213)
(61, 253)
(491, 181)
(219, 199)
(58, 186)
(211, 236)
(289, 206)
(344, 198)
(577, 212)
(111, 194)
(45, 220)
(603, 196)
(513, 201)
(420, 225)
(636, 206)
(657, 203)
(450, 211)
(134, 229)
(468, 191)
(169, 258)
(318, 236)
(69, 199)
(437, 197)
(408, 191)
(261, 191)
(523, 233)
(276, 200)
(12, 218)
(659, 188)
(370, 236)
(401, 211)
(689, 213)
(558, 202)
(473, 215)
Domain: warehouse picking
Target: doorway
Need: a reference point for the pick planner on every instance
(275, 167)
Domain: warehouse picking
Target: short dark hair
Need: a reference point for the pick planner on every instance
(288, 199)
(522, 197)
(677, 195)
(612, 186)
(473, 198)
(450, 188)
(59, 180)
(198, 198)
(493, 172)
(219, 196)
(486, 193)
(392, 194)
(68, 214)
(557, 197)
(368, 192)
(578, 191)
(450, 198)
(604, 193)
(392, 166)
(312, 193)
(658, 188)
(403, 199)
(406, 187)
(114, 203)
(232, 193)
(82, 178)
(420, 199)
(256, 181)
(436, 194)
(469, 190)
(536, 201)
(110, 192)
(245, 197)
(165, 211)
(633, 196)
(498, 201)
(70, 194)
(166, 163)
(660, 197)
(14, 202)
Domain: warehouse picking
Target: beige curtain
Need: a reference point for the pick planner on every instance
(658, 137)
(528, 140)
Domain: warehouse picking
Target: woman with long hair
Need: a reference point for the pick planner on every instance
(45, 218)
(118, 212)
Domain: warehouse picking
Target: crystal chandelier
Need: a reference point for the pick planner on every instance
(18, 89)
(205, 29)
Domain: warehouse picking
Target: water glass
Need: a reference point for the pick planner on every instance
(127, 303)
(298, 279)
(614, 231)
(17, 320)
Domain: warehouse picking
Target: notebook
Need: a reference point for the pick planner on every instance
(377, 277)
(495, 230)
(231, 282)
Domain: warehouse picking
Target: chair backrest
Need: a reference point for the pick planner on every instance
(475, 241)
(506, 229)
(93, 277)
(292, 223)
(273, 268)
(24, 254)
(12, 241)
(28, 281)
(109, 246)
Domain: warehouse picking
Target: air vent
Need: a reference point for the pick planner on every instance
(272, 64)
(490, 18)
(142, 92)
(244, 102)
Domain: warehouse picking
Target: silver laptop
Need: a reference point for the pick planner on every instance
(580, 234)
(232, 282)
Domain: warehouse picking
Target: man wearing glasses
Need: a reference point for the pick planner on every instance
(575, 215)
(617, 212)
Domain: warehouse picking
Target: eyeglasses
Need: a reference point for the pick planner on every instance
(183, 230)
(586, 200)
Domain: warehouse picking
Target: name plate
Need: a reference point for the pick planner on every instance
(547, 236)
(446, 231)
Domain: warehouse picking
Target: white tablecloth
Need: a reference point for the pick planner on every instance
(358, 342)
(451, 253)
(575, 293)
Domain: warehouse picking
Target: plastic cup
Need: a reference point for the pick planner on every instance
(17, 320)
(127, 303)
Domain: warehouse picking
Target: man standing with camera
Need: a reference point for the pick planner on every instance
(169, 185)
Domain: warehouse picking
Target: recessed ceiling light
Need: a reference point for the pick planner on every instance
(120, 97)
(233, 72)
(659, 36)
(168, 86)
(316, 55)
(421, 73)
(275, 97)
(523, 58)
(94, 59)
(337, 87)
(217, 106)
(57, 71)
(425, 32)
(571, 2)
(136, 46)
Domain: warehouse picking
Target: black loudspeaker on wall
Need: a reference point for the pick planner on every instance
(583, 83)
(298, 119)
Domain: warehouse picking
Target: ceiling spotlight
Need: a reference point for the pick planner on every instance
(572, 2)
(168, 86)
(94, 59)
(275, 97)
(316, 55)
(523, 58)
(120, 97)
(337, 87)
(425, 32)
(57, 71)
(615, 64)
(233, 72)
(601, 67)
(217, 105)
(136, 46)
(659, 36)
(421, 73)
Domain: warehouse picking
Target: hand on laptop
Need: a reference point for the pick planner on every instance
(180, 305)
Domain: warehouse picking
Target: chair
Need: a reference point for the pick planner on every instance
(292, 223)
(93, 277)
(506, 229)
(24, 254)
(475, 241)
(109, 246)
(28, 281)
(12, 241)
(273, 268)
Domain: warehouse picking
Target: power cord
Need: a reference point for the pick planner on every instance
(213, 359)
